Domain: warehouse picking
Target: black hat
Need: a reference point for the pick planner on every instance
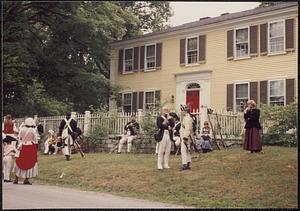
(185, 108)
(174, 115)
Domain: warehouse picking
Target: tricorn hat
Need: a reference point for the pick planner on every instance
(29, 122)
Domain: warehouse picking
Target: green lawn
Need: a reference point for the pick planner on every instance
(226, 178)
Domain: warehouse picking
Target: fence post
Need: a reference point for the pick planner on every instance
(139, 115)
(87, 122)
(73, 115)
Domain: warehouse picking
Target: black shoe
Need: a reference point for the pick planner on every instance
(118, 152)
(15, 182)
(7, 180)
(26, 182)
(183, 167)
(68, 158)
(188, 166)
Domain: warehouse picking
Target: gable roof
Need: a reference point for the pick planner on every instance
(217, 19)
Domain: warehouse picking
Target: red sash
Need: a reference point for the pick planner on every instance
(28, 157)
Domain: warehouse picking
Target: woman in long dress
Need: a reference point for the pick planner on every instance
(26, 163)
(252, 140)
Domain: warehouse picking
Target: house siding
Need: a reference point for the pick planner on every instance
(224, 71)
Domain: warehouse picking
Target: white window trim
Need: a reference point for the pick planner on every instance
(284, 89)
(234, 43)
(186, 50)
(123, 93)
(268, 38)
(128, 72)
(148, 90)
(234, 93)
(145, 60)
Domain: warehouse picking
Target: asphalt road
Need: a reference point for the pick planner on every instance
(41, 196)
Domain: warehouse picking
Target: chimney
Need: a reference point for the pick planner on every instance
(226, 13)
(203, 18)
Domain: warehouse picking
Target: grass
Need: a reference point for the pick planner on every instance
(230, 178)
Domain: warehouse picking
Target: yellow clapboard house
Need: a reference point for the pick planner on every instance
(218, 62)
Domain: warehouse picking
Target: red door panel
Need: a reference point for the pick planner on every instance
(193, 99)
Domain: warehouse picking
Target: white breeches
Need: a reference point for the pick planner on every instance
(156, 148)
(124, 139)
(8, 164)
(164, 150)
(185, 154)
(67, 147)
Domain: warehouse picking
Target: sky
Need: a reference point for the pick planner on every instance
(185, 12)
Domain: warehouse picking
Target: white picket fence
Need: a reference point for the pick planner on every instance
(231, 123)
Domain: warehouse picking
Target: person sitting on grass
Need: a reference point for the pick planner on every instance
(50, 144)
(131, 129)
(205, 136)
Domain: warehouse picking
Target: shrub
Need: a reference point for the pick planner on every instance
(280, 123)
(148, 124)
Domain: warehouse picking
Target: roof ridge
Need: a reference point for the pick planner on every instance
(211, 20)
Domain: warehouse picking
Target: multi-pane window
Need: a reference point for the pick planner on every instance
(276, 92)
(150, 56)
(241, 43)
(192, 50)
(127, 98)
(149, 99)
(276, 37)
(241, 96)
(128, 60)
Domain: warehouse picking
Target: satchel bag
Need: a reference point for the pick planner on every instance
(156, 136)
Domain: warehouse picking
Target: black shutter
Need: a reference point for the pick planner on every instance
(253, 40)
(253, 91)
(142, 57)
(289, 34)
(136, 59)
(229, 97)
(141, 100)
(134, 101)
(263, 39)
(290, 90)
(202, 49)
(158, 54)
(121, 51)
(263, 92)
(182, 52)
(157, 97)
(230, 44)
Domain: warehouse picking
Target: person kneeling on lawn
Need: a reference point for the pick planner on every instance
(50, 144)
(131, 129)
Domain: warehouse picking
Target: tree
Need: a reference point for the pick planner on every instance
(56, 54)
(152, 15)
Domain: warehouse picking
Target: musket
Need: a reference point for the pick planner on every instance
(79, 147)
(209, 111)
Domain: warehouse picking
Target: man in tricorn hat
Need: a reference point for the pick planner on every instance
(186, 133)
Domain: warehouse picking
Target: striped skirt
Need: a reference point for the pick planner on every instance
(29, 173)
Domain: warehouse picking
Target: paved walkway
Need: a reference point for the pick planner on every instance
(41, 196)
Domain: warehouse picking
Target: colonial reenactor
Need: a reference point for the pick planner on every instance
(252, 140)
(165, 123)
(50, 143)
(26, 163)
(67, 129)
(186, 134)
(131, 130)
(176, 130)
(8, 152)
(9, 129)
(205, 136)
